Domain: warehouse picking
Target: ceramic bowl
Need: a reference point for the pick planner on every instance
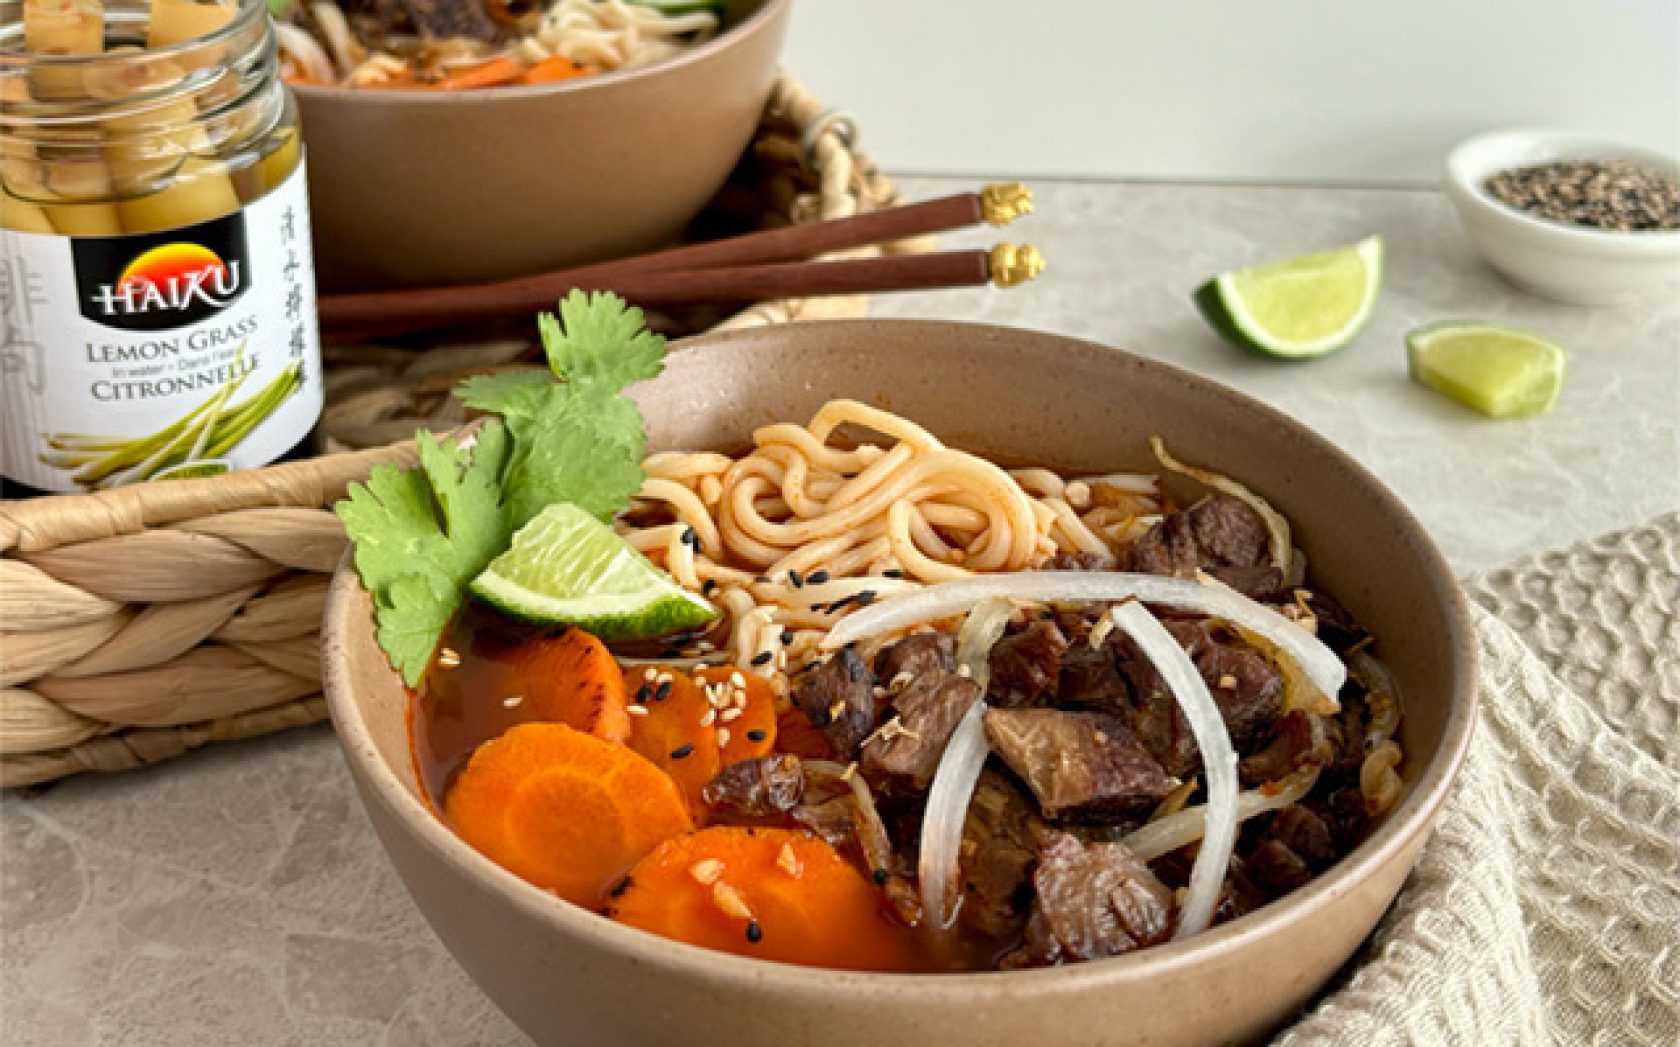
(568, 976)
(413, 188)
(1567, 263)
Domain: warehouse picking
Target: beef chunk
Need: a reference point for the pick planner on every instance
(1027, 665)
(1305, 833)
(1246, 687)
(833, 820)
(1085, 766)
(906, 755)
(1276, 867)
(1336, 625)
(758, 788)
(441, 19)
(916, 655)
(1263, 583)
(1093, 900)
(1290, 749)
(839, 700)
(1217, 532)
(1082, 562)
(1000, 843)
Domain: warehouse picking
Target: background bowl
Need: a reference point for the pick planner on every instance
(569, 976)
(411, 188)
(1567, 263)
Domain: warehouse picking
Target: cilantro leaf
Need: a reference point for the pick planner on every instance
(600, 340)
(585, 448)
(422, 534)
(507, 393)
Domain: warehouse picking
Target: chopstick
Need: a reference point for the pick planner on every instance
(742, 259)
(385, 314)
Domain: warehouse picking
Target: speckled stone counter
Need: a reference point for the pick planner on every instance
(237, 895)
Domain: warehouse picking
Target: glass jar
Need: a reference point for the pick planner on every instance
(156, 285)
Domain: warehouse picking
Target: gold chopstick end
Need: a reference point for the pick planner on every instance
(1003, 202)
(1013, 264)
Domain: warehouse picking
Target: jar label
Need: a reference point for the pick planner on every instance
(148, 356)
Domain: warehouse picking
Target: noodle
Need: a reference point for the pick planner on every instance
(816, 520)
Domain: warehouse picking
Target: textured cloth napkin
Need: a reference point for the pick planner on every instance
(1546, 908)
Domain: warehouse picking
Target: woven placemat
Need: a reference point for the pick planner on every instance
(139, 623)
(1546, 908)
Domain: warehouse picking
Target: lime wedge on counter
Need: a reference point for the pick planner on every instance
(567, 568)
(1502, 372)
(1297, 309)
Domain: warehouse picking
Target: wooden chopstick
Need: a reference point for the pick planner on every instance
(394, 311)
(383, 314)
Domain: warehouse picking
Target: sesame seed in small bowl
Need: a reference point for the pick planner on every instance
(1568, 217)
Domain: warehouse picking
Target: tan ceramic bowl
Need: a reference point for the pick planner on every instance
(414, 188)
(568, 976)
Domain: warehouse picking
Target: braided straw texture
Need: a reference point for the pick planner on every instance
(139, 623)
(1546, 908)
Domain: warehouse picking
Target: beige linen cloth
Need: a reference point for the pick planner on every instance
(1546, 908)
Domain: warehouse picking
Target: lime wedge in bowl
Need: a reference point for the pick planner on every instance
(1502, 372)
(567, 568)
(1300, 308)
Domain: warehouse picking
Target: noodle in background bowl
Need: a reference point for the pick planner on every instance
(420, 188)
(568, 976)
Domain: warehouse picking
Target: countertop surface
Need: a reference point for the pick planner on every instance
(237, 895)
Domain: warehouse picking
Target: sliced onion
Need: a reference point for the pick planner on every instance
(1276, 525)
(1382, 697)
(980, 632)
(1219, 761)
(946, 599)
(1184, 828)
(947, 807)
(305, 52)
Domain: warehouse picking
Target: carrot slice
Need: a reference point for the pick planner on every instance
(502, 69)
(572, 679)
(551, 70)
(565, 810)
(770, 893)
(752, 733)
(678, 733)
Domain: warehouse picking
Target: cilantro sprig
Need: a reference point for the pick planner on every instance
(422, 534)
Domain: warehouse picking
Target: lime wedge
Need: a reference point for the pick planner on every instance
(1298, 309)
(1502, 372)
(567, 568)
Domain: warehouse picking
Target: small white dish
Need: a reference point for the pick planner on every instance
(1567, 263)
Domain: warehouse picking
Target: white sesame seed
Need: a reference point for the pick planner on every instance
(788, 862)
(729, 900)
(512, 701)
(723, 737)
(963, 670)
(706, 720)
(706, 872)
(737, 679)
(705, 646)
(636, 710)
(665, 678)
(449, 658)
(1227, 682)
(730, 714)
(835, 710)
(650, 674)
(900, 682)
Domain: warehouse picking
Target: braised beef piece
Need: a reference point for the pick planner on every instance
(1027, 665)
(832, 820)
(1219, 535)
(838, 699)
(1241, 894)
(1290, 749)
(1246, 687)
(1001, 834)
(1305, 832)
(1277, 868)
(905, 752)
(1336, 625)
(441, 19)
(1092, 900)
(916, 655)
(1080, 766)
(1082, 562)
(758, 788)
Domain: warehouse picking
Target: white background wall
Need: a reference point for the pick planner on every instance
(1258, 90)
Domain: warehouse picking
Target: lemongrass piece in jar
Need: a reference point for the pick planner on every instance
(179, 312)
(61, 27)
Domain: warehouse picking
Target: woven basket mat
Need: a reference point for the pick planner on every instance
(139, 623)
(1546, 907)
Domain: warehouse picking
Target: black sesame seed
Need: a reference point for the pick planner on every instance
(761, 658)
(787, 638)
(643, 693)
(689, 537)
(880, 877)
(892, 572)
(818, 606)
(865, 597)
(662, 692)
(682, 750)
(620, 887)
(817, 577)
(762, 579)
(707, 586)
(756, 735)
(755, 933)
(793, 577)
